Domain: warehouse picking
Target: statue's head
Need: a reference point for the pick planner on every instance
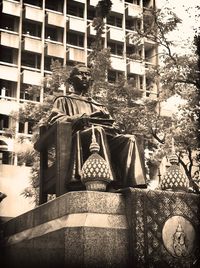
(80, 78)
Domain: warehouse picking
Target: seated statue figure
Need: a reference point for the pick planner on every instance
(120, 151)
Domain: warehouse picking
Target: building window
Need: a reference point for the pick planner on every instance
(33, 29)
(133, 80)
(21, 127)
(4, 121)
(136, 81)
(133, 52)
(148, 22)
(9, 55)
(74, 9)
(114, 76)
(130, 50)
(116, 49)
(90, 42)
(149, 87)
(48, 62)
(28, 92)
(25, 95)
(26, 127)
(5, 157)
(3, 92)
(147, 3)
(115, 21)
(147, 94)
(133, 24)
(33, 2)
(10, 23)
(8, 88)
(30, 127)
(135, 2)
(150, 55)
(3, 145)
(91, 13)
(54, 5)
(141, 82)
(30, 60)
(75, 39)
(53, 33)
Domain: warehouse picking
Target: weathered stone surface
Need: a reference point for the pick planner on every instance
(43, 251)
(79, 228)
(69, 203)
(153, 242)
(95, 229)
(96, 247)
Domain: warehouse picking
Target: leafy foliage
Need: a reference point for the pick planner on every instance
(178, 74)
(99, 58)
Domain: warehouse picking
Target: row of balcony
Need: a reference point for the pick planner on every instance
(12, 38)
(11, 72)
(74, 53)
(36, 13)
(54, 48)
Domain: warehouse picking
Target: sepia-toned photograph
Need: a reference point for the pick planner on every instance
(100, 133)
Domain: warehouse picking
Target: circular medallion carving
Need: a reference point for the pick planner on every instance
(178, 236)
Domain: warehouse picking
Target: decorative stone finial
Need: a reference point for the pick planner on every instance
(94, 146)
(95, 172)
(174, 179)
(173, 159)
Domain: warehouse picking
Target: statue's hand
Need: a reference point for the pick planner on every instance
(82, 121)
(101, 114)
(116, 127)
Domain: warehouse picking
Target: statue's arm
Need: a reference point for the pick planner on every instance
(60, 113)
(100, 111)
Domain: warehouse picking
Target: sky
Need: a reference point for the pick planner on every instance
(186, 28)
(184, 32)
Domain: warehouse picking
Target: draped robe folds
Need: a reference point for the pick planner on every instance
(120, 151)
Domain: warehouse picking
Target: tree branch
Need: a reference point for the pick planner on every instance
(154, 134)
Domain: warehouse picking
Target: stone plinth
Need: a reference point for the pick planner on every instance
(135, 228)
(78, 229)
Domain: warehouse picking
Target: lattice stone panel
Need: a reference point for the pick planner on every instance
(164, 228)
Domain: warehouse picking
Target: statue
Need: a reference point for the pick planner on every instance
(120, 151)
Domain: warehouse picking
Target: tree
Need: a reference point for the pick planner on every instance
(99, 58)
(178, 74)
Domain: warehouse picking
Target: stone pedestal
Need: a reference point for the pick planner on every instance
(135, 228)
(78, 229)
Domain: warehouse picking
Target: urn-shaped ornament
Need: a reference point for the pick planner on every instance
(174, 179)
(95, 173)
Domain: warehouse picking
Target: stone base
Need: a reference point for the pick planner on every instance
(137, 228)
(78, 229)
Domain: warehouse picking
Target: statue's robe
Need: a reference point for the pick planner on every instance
(120, 151)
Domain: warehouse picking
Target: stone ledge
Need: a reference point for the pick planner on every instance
(94, 220)
(69, 203)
